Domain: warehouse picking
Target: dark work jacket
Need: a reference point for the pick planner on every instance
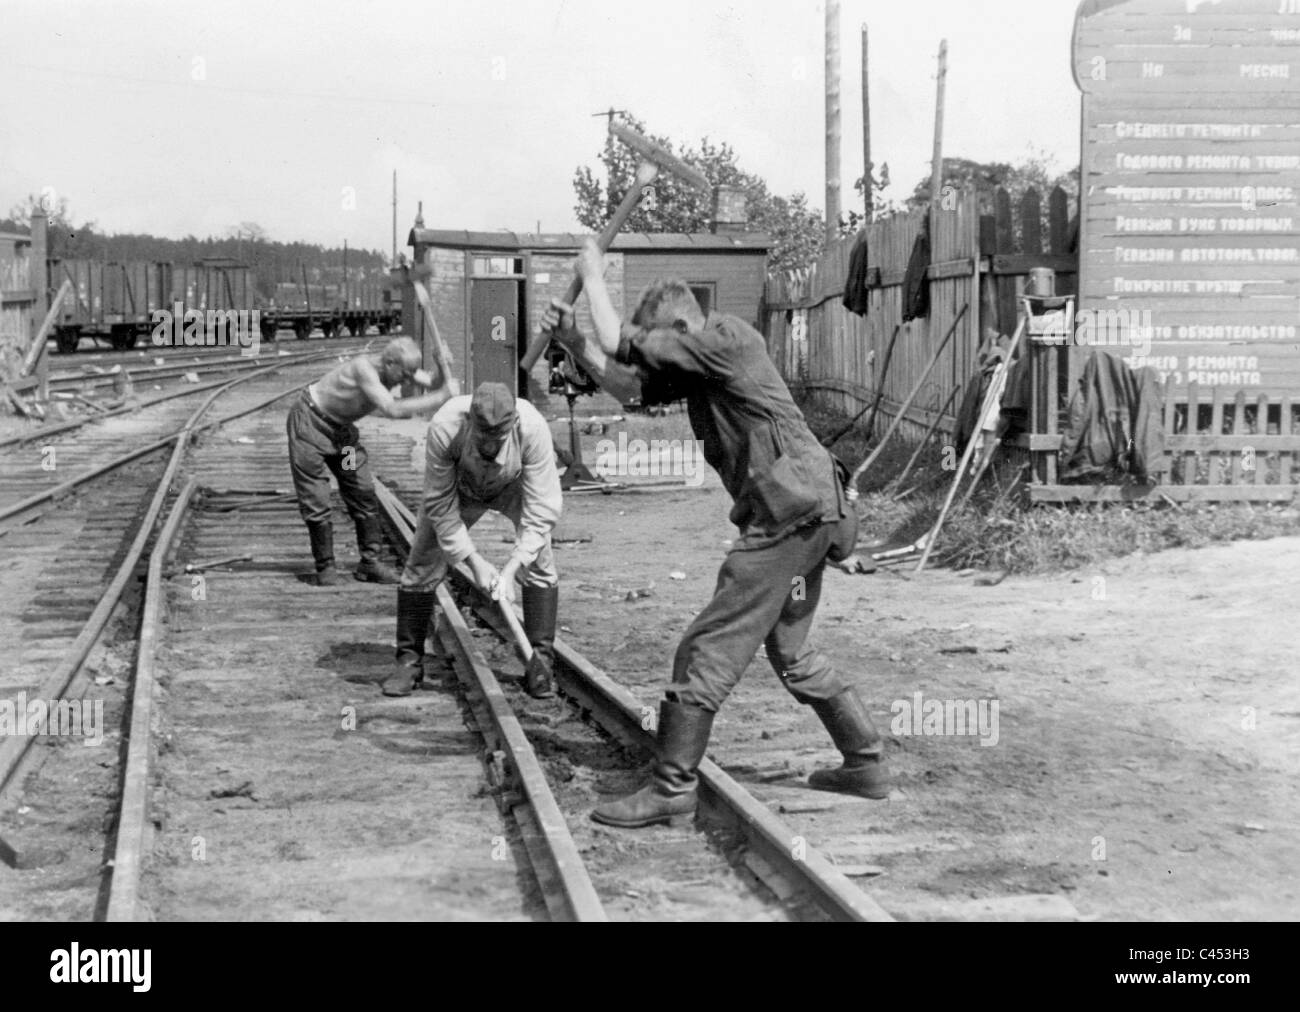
(1116, 424)
(916, 289)
(855, 285)
(779, 476)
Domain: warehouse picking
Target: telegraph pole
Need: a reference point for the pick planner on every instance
(394, 260)
(832, 120)
(868, 187)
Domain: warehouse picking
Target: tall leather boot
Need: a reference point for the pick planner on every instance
(414, 607)
(321, 533)
(541, 606)
(670, 796)
(370, 543)
(849, 723)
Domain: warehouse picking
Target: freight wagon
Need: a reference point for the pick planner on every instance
(116, 302)
(356, 305)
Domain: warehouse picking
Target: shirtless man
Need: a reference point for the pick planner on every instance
(323, 439)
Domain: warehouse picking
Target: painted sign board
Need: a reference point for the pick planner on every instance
(1190, 224)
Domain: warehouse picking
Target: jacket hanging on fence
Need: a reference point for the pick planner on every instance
(1115, 425)
(916, 290)
(855, 285)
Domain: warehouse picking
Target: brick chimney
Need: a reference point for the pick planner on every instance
(729, 211)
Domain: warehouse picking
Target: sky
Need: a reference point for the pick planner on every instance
(186, 117)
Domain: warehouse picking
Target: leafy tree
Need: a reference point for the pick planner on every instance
(1037, 170)
(796, 228)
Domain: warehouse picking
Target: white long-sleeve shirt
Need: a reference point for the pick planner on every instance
(455, 474)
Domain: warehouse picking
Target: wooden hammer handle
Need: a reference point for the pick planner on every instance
(440, 350)
(645, 175)
(516, 630)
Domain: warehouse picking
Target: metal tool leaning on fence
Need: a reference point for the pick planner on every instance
(484, 452)
(793, 513)
(323, 440)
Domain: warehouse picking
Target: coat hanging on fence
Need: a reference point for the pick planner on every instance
(855, 285)
(1115, 426)
(916, 289)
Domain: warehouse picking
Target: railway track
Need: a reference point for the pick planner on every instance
(68, 597)
(93, 356)
(176, 363)
(250, 768)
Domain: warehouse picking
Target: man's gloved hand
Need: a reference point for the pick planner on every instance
(504, 591)
(484, 573)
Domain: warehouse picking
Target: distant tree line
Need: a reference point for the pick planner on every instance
(271, 261)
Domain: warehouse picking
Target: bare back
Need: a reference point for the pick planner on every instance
(339, 392)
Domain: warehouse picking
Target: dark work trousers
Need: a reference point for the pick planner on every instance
(318, 448)
(764, 596)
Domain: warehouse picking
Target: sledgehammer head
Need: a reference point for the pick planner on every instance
(665, 160)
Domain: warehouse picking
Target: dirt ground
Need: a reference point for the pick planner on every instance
(1148, 732)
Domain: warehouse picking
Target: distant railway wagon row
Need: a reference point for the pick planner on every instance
(122, 302)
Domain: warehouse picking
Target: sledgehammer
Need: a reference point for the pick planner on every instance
(654, 158)
(537, 676)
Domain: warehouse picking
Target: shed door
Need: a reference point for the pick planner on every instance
(494, 328)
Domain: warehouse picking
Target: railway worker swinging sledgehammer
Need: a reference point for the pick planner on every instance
(323, 440)
(792, 509)
(484, 452)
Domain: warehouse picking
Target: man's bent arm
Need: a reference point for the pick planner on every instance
(441, 502)
(408, 407)
(387, 405)
(603, 314)
(542, 500)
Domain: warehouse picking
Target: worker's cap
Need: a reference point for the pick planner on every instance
(492, 409)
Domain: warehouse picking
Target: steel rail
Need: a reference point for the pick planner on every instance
(238, 364)
(133, 808)
(51, 430)
(624, 716)
(54, 491)
(512, 764)
(14, 748)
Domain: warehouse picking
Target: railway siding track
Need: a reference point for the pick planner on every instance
(67, 614)
(264, 776)
(776, 854)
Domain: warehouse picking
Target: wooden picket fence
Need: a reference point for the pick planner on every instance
(1220, 444)
(982, 249)
(1224, 447)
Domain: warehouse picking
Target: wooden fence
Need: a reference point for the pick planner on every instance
(1219, 446)
(982, 249)
(22, 305)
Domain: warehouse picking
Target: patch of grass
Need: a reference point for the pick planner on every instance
(997, 529)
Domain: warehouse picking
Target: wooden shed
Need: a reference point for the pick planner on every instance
(489, 289)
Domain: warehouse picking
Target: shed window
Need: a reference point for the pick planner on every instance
(704, 292)
(498, 265)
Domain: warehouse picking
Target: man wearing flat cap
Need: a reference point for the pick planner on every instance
(487, 451)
